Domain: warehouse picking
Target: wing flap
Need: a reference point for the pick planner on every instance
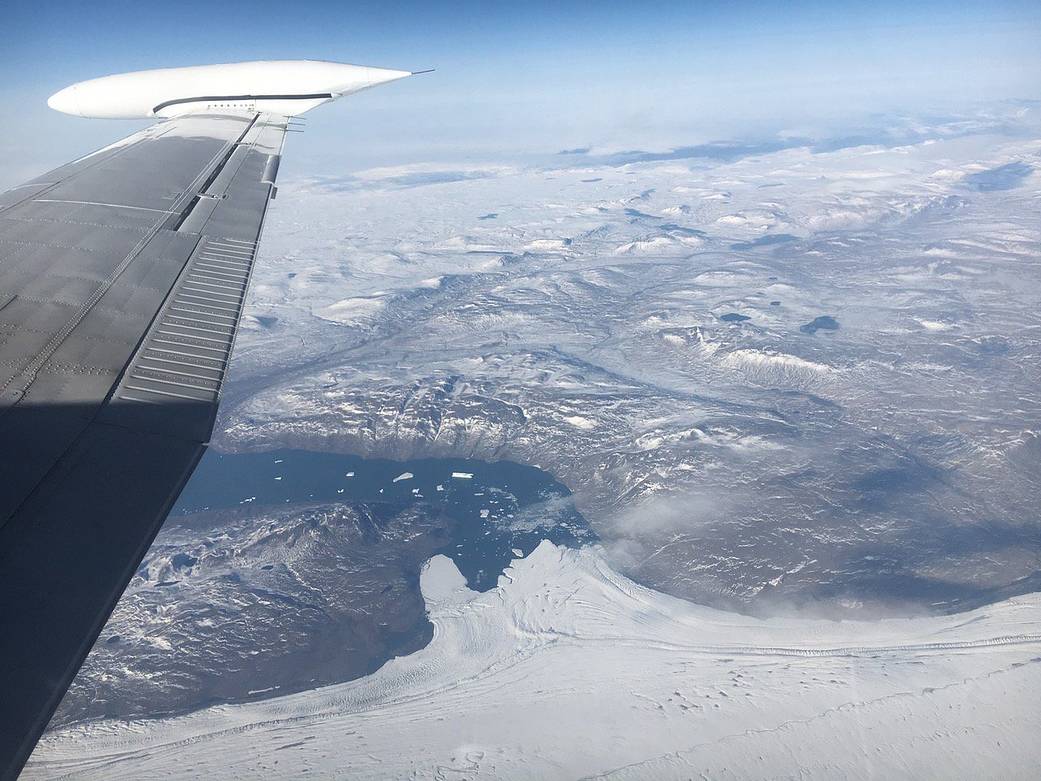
(122, 281)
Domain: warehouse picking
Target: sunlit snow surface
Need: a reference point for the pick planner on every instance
(568, 670)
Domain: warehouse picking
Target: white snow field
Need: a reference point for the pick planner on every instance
(569, 670)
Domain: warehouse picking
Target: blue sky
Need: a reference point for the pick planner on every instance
(515, 79)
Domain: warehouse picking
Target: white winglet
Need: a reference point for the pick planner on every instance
(287, 87)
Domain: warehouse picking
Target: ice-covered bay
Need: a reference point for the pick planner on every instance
(568, 669)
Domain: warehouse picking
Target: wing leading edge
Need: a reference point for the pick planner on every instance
(122, 280)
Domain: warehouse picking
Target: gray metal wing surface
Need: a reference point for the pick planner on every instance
(122, 280)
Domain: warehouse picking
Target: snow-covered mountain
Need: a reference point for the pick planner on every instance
(799, 375)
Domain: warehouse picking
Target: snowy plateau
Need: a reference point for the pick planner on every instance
(792, 388)
(568, 670)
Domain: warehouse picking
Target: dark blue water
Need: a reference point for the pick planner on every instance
(492, 509)
(822, 323)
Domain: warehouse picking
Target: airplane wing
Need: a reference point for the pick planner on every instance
(122, 280)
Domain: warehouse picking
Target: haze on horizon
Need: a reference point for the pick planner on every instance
(516, 81)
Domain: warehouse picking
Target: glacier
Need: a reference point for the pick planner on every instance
(568, 669)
